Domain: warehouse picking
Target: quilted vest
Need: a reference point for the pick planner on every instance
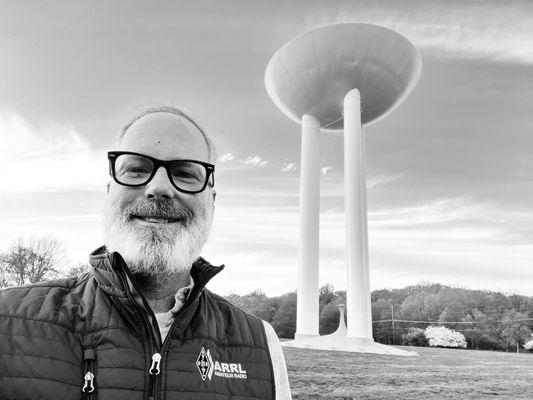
(95, 337)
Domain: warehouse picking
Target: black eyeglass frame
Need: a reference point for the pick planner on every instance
(209, 170)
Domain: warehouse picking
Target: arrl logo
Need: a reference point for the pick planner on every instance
(207, 367)
(205, 364)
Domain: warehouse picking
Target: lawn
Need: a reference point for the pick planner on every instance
(436, 374)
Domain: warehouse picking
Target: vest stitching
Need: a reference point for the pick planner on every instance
(248, 346)
(102, 348)
(41, 306)
(36, 285)
(194, 373)
(100, 388)
(38, 320)
(33, 337)
(250, 330)
(271, 365)
(227, 394)
(43, 357)
(42, 379)
(247, 362)
(129, 368)
(74, 331)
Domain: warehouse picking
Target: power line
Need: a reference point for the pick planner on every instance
(445, 322)
(427, 322)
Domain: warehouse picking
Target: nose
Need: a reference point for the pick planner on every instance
(160, 185)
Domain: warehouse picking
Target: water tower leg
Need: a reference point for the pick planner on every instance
(358, 292)
(307, 299)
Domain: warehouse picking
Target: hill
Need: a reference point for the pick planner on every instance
(489, 320)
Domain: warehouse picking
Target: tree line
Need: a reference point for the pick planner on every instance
(488, 320)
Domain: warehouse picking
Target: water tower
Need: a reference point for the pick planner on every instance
(339, 77)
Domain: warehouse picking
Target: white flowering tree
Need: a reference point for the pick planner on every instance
(440, 336)
(529, 345)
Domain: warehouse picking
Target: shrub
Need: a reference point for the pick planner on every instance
(440, 336)
(529, 345)
(415, 337)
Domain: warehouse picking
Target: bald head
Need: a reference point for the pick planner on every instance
(179, 114)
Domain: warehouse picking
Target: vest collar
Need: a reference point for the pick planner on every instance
(107, 265)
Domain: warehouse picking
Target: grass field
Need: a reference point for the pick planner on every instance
(436, 374)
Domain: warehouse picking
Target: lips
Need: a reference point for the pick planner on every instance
(159, 213)
(156, 219)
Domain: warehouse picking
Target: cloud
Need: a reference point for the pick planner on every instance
(443, 240)
(434, 212)
(226, 157)
(381, 179)
(494, 30)
(324, 170)
(254, 160)
(48, 156)
(288, 167)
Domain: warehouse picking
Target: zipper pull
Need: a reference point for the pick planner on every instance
(156, 360)
(88, 385)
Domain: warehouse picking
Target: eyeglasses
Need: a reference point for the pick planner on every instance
(134, 170)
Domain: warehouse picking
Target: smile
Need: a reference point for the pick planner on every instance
(156, 220)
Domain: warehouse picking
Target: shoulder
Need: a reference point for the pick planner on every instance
(225, 305)
(234, 321)
(48, 301)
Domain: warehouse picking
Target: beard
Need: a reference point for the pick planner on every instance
(157, 251)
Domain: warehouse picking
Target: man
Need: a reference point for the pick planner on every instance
(141, 325)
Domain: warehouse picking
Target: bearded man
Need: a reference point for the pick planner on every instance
(141, 324)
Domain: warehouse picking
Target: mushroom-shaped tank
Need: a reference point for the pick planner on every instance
(313, 72)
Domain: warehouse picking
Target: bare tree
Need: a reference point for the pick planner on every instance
(3, 280)
(78, 270)
(30, 261)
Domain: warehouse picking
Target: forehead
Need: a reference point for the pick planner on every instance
(165, 136)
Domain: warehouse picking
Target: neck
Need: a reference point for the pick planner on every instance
(159, 293)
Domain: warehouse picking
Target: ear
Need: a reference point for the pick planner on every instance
(214, 192)
(108, 186)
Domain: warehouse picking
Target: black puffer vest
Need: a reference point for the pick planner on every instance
(95, 337)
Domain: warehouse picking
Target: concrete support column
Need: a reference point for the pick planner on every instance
(359, 313)
(307, 299)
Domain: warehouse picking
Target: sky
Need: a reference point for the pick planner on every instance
(450, 172)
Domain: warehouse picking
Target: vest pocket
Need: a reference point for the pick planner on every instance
(89, 374)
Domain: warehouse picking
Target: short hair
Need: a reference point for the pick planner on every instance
(180, 112)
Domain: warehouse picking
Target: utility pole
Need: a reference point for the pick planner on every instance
(392, 321)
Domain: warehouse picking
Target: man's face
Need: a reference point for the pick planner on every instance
(155, 227)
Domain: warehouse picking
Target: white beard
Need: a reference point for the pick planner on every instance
(156, 251)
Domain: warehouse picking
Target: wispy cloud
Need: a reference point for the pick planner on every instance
(324, 170)
(226, 157)
(381, 179)
(48, 156)
(425, 241)
(494, 30)
(288, 167)
(254, 160)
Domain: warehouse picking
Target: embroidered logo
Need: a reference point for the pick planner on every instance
(204, 362)
(208, 367)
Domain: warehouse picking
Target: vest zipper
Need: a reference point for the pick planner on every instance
(149, 320)
(89, 386)
(155, 367)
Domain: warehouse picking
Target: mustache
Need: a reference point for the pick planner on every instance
(159, 208)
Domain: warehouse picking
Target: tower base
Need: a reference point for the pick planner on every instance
(339, 342)
(300, 336)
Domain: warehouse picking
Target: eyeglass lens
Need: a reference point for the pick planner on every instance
(136, 170)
